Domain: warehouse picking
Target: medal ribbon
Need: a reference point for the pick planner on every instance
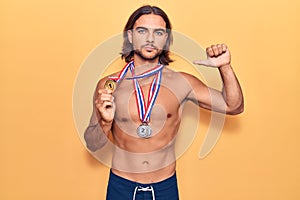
(144, 108)
(131, 66)
(122, 72)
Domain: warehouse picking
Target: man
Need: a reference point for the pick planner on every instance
(139, 108)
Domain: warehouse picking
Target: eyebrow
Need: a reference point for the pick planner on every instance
(155, 29)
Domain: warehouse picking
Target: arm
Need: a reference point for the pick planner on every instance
(102, 118)
(230, 99)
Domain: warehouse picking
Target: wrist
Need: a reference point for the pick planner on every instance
(106, 126)
(105, 123)
(225, 67)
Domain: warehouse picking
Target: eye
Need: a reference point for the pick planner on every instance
(159, 33)
(141, 31)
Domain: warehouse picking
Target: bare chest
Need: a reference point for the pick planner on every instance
(165, 106)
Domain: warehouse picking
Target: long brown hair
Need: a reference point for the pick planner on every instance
(127, 49)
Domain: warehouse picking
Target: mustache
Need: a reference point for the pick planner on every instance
(149, 45)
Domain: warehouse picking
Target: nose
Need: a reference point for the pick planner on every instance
(150, 37)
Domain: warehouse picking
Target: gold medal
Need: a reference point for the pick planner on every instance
(110, 85)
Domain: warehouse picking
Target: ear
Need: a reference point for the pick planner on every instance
(167, 35)
(129, 35)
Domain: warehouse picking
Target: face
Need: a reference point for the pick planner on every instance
(148, 36)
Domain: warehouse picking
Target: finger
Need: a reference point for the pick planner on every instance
(98, 104)
(224, 47)
(201, 62)
(107, 104)
(103, 95)
(102, 99)
(106, 97)
(101, 91)
(102, 103)
(220, 48)
(102, 107)
(108, 91)
(104, 91)
(209, 52)
(215, 50)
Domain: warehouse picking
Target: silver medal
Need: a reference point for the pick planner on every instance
(144, 131)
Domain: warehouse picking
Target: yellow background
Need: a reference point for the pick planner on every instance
(43, 44)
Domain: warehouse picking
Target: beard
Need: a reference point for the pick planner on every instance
(141, 54)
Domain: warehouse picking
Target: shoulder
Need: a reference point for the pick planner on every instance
(170, 73)
(179, 76)
(191, 79)
(188, 76)
(177, 82)
(183, 83)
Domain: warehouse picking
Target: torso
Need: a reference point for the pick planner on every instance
(153, 159)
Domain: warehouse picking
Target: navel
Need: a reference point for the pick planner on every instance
(145, 163)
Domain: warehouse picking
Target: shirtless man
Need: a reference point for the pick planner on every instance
(144, 163)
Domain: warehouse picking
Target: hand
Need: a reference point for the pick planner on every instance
(217, 56)
(105, 104)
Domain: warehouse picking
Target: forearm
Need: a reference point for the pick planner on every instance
(96, 133)
(232, 92)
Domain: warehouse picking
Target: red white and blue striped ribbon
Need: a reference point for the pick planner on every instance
(131, 66)
(122, 72)
(144, 108)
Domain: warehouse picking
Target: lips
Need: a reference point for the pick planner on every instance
(149, 47)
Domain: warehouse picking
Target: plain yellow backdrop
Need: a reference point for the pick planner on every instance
(43, 44)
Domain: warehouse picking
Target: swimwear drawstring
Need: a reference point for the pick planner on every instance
(144, 189)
